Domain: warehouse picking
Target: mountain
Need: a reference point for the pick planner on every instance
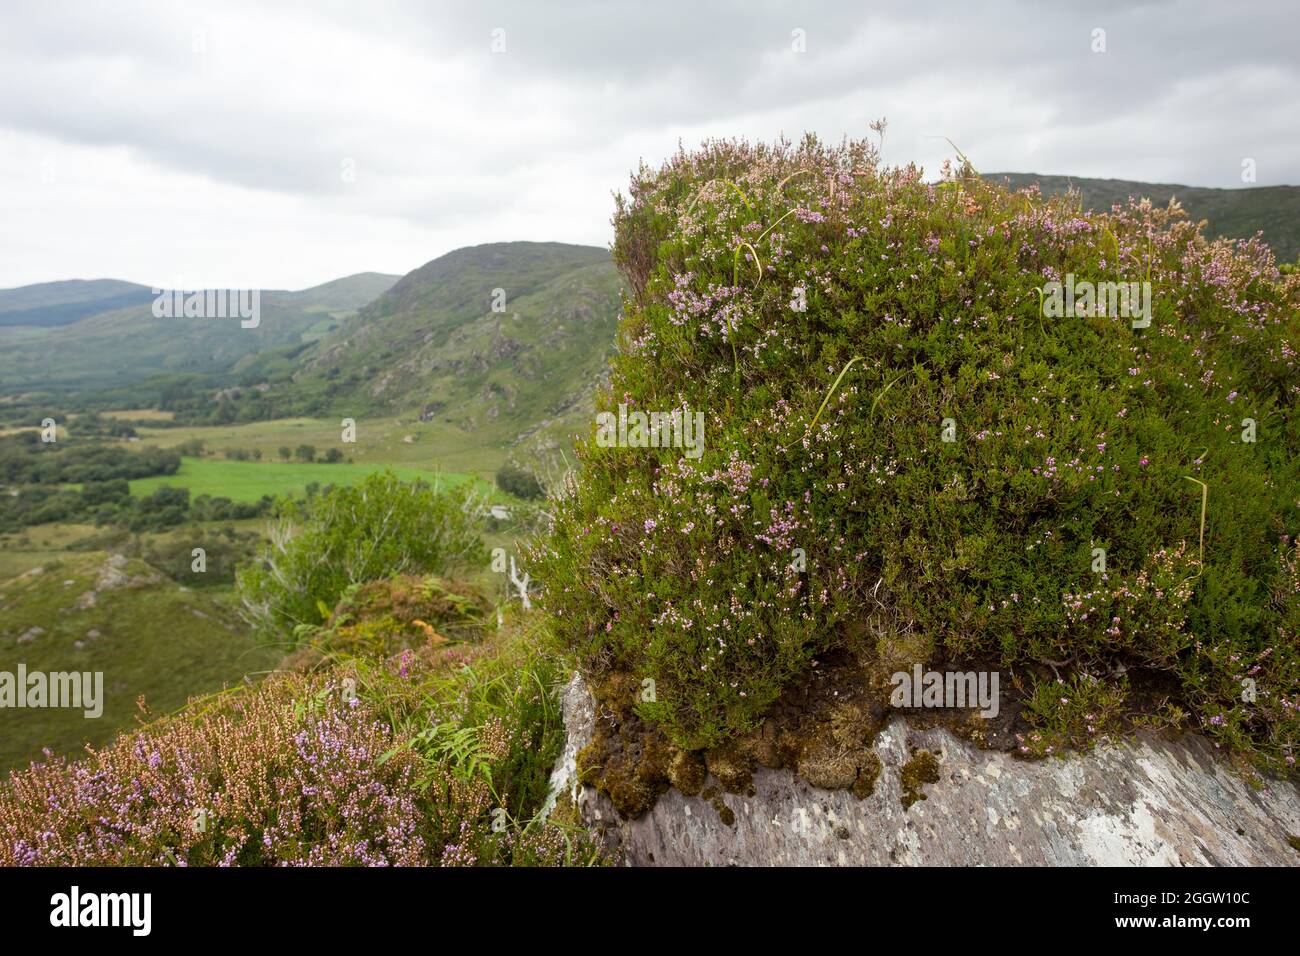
(433, 344)
(350, 292)
(51, 304)
(124, 344)
(1235, 213)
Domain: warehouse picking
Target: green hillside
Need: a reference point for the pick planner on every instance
(123, 346)
(51, 304)
(434, 346)
(1235, 213)
(147, 634)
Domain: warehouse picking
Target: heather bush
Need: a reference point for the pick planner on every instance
(436, 754)
(346, 536)
(285, 775)
(827, 316)
(479, 711)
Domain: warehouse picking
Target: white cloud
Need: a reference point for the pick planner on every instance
(211, 139)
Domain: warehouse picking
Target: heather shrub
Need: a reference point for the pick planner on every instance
(837, 322)
(285, 775)
(436, 754)
(484, 722)
(346, 536)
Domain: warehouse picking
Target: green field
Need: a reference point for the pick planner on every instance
(433, 445)
(250, 480)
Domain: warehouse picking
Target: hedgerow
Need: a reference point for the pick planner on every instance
(828, 315)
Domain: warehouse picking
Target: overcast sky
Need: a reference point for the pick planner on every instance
(264, 145)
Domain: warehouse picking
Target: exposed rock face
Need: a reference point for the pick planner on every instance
(1152, 801)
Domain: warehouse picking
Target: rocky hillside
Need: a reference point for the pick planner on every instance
(148, 635)
(507, 338)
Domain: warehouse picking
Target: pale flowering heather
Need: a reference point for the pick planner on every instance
(885, 396)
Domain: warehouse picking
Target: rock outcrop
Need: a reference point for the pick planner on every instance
(1149, 802)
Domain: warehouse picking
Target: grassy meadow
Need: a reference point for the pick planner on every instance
(250, 480)
(434, 445)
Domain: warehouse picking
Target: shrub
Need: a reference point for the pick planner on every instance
(516, 481)
(347, 536)
(435, 755)
(223, 551)
(288, 775)
(827, 316)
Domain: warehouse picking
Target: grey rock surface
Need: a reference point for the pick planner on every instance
(1150, 802)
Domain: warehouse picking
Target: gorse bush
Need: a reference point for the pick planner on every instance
(836, 321)
(350, 535)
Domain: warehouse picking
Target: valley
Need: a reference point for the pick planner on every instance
(436, 385)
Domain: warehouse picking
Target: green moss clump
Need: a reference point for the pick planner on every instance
(923, 768)
(687, 772)
(836, 323)
(865, 785)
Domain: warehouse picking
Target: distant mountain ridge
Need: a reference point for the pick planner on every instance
(1234, 213)
(52, 304)
(114, 345)
(507, 339)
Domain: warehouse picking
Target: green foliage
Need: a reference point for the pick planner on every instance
(24, 459)
(1072, 714)
(1071, 434)
(349, 535)
(516, 481)
(223, 551)
(487, 722)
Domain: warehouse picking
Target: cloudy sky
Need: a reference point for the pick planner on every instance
(279, 145)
